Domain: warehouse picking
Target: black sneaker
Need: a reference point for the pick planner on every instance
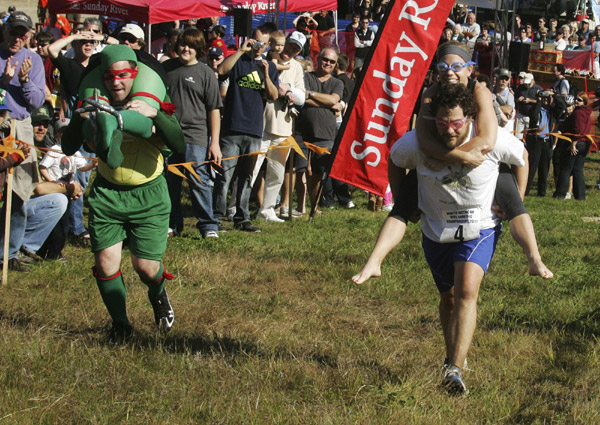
(164, 316)
(120, 333)
(246, 226)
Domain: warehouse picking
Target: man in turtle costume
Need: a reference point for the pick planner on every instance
(129, 198)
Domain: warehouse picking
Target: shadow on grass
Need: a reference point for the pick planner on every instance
(586, 325)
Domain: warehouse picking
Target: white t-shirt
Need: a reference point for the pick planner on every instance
(61, 167)
(457, 196)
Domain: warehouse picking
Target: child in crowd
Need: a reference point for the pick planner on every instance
(276, 44)
(56, 166)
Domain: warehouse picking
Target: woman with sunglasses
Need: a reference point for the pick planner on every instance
(572, 159)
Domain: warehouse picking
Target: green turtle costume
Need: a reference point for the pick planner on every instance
(129, 197)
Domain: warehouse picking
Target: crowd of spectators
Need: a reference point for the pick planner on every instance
(233, 102)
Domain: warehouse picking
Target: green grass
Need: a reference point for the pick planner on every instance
(269, 329)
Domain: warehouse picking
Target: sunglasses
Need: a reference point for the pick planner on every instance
(327, 60)
(18, 34)
(456, 66)
(119, 74)
(454, 125)
(44, 124)
(128, 38)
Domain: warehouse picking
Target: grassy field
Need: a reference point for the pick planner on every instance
(270, 330)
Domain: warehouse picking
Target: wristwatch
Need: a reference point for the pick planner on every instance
(311, 94)
(105, 38)
(25, 79)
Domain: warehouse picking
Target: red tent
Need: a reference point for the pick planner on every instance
(156, 11)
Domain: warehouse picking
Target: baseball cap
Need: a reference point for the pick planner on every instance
(40, 114)
(215, 51)
(528, 78)
(522, 74)
(298, 38)
(19, 19)
(61, 124)
(134, 30)
(3, 105)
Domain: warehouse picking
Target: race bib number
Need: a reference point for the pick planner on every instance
(460, 225)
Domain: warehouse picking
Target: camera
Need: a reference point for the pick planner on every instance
(258, 45)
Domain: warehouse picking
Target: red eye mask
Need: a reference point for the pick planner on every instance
(120, 74)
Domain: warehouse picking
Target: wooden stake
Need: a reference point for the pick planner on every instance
(8, 207)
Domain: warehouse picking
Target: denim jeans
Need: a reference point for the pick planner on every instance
(233, 145)
(43, 212)
(76, 210)
(32, 222)
(201, 194)
(18, 220)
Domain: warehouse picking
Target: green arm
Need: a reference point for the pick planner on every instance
(169, 130)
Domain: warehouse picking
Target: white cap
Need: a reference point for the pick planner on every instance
(61, 124)
(297, 38)
(528, 78)
(522, 74)
(134, 30)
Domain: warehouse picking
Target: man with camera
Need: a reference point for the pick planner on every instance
(251, 78)
(540, 145)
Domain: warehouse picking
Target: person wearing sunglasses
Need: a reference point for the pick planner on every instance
(317, 122)
(459, 226)
(133, 36)
(363, 39)
(144, 218)
(22, 74)
(454, 67)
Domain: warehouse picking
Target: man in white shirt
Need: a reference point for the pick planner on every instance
(471, 30)
(460, 230)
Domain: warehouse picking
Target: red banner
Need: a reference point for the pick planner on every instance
(582, 60)
(381, 108)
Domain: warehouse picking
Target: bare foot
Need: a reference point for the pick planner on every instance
(368, 271)
(538, 268)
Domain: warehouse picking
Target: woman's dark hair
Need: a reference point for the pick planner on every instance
(450, 96)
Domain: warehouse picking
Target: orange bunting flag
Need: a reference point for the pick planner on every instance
(175, 170)
(316, 148)
(188, 166)
(291, 142)
(6, 150)
(560, 136)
